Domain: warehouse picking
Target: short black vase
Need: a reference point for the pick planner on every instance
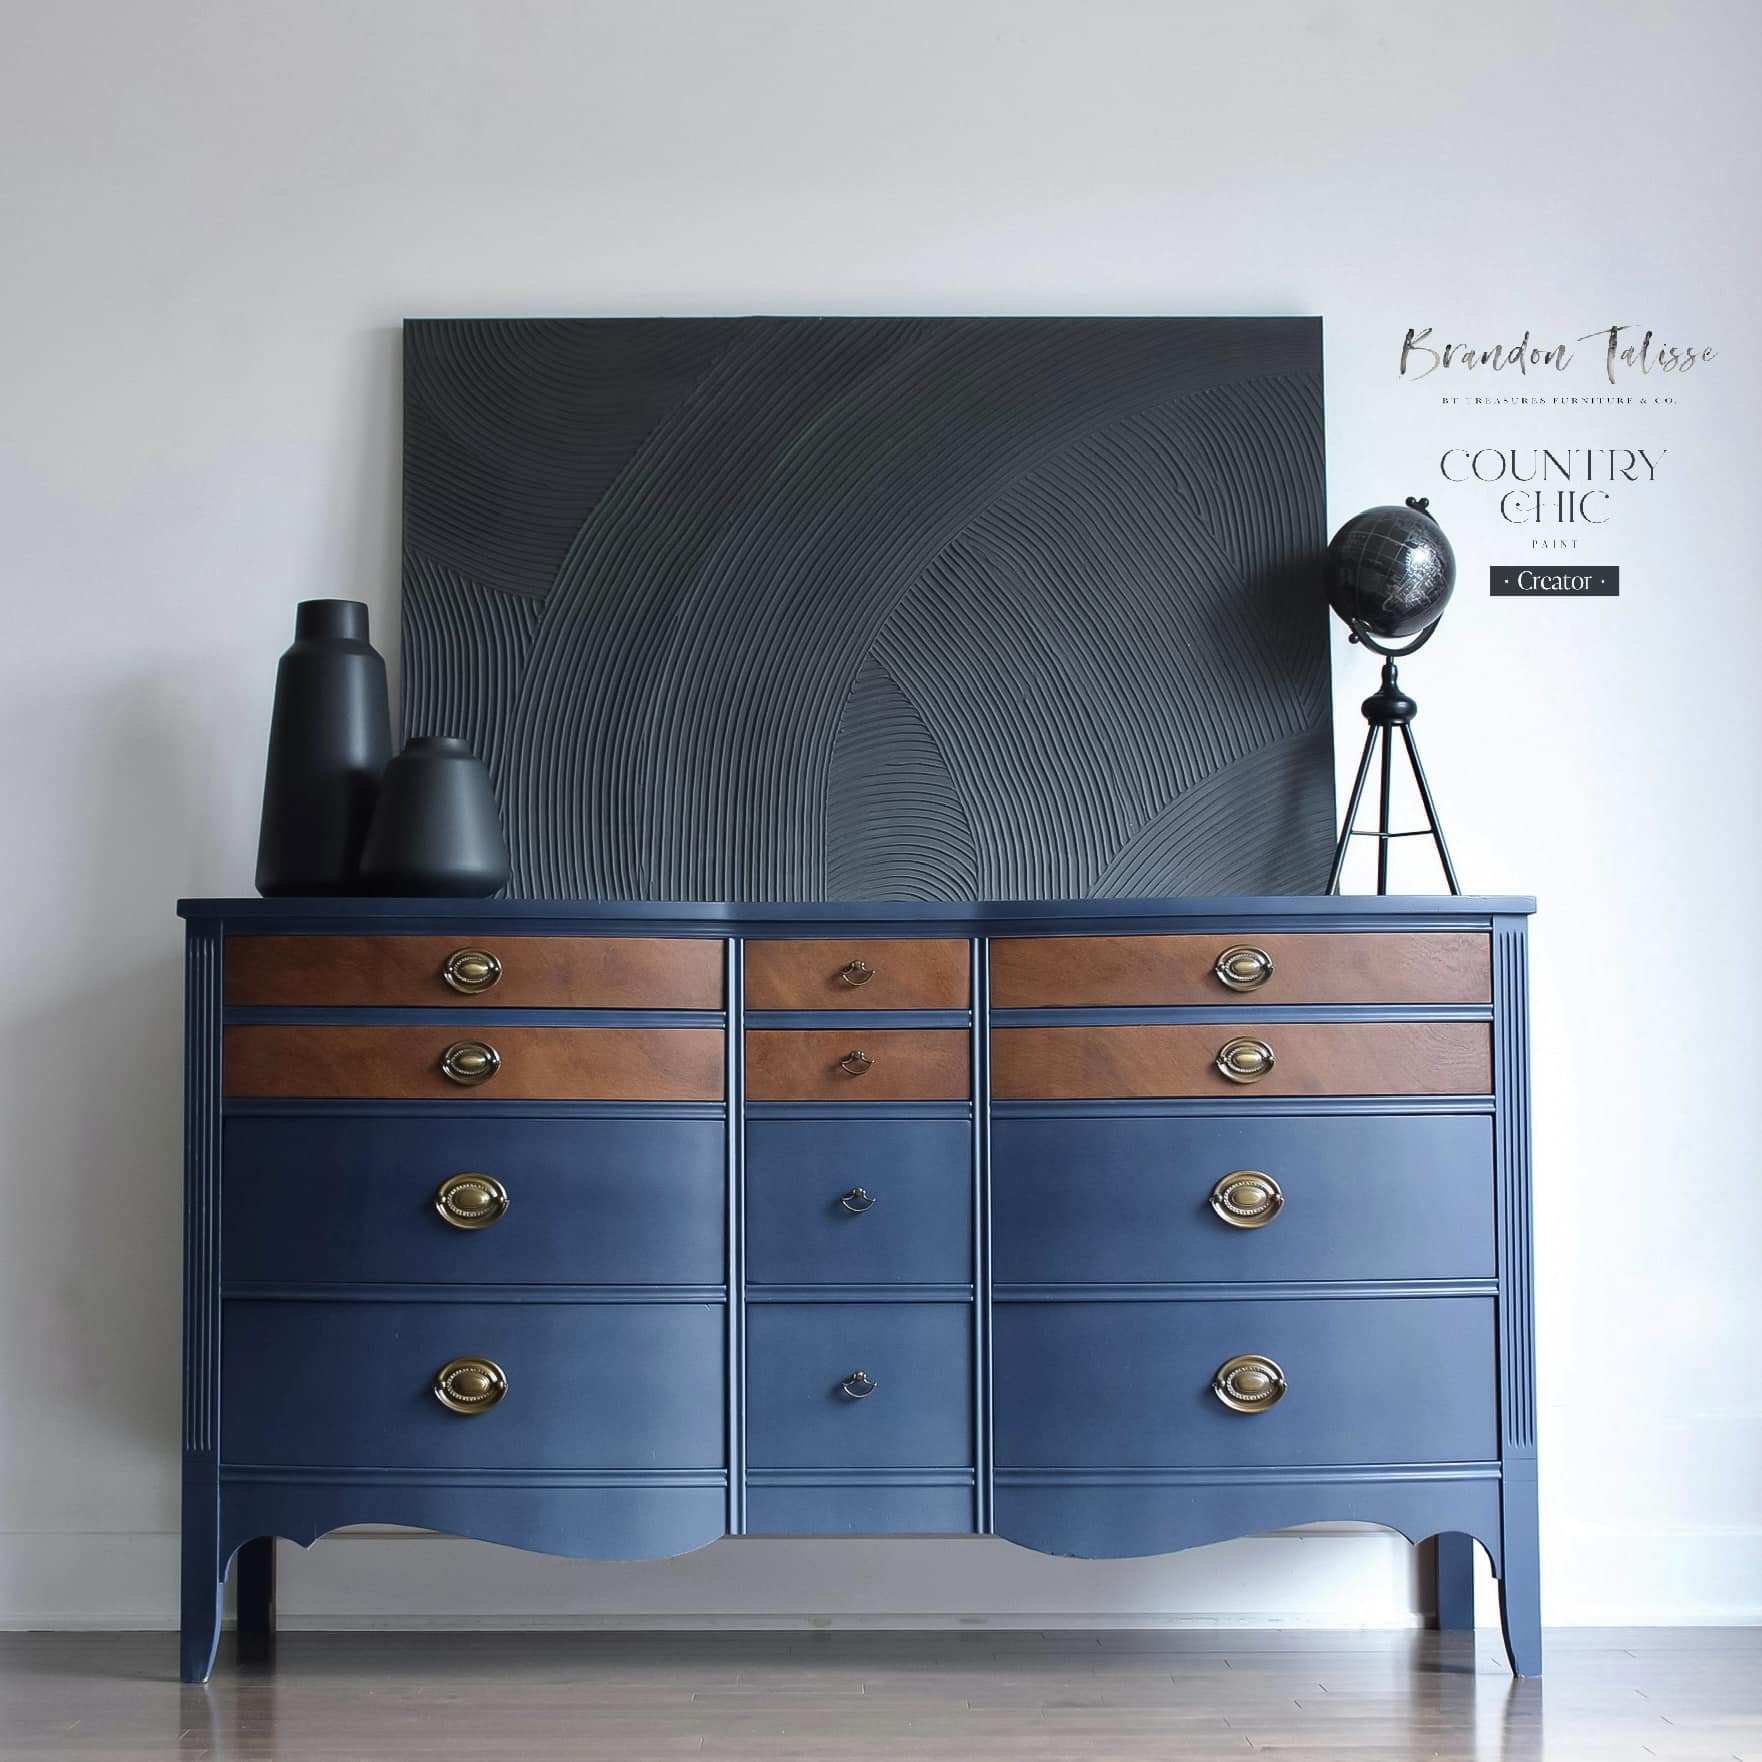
(435, 832)
(330, 736)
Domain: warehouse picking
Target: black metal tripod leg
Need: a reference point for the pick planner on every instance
(1425, 796)
(1370, 747)
(1383, 814)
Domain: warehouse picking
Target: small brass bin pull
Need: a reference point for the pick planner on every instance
(471, 1201)
(859, 1385)
(470, 1385)
(1249, 1383)
(855, 1064)
(856, 973)
(470, 1062)
(1243, 967)
(858, 1200)
(1244, 1060)
(471, 970)
(1246, 1199)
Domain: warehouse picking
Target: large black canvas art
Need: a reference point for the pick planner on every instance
(842, 608)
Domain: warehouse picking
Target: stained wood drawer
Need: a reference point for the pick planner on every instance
(354, 1200)
(859, 1202)
(905, 1064)
(589, 1385)
(1098, 1199)
(1431, 966)
(1128, 1385)
(1309, 1058)
(529, 972)
(919, 1355)
(536, 1064)
(865, 974)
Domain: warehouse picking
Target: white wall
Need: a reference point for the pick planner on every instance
(214, 215)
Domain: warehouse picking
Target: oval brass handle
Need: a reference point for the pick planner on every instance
(470, 1385)
(1244, 1060)
(1243, 967)
(471, 1202)
(471, 970)
(1250, 1383)
(856, 1063)
(858, 1199)
(1246, 1199)
(856, 972)
(470, 1062)
(859, 1385)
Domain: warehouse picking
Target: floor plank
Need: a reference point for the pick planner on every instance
(1616, 1695)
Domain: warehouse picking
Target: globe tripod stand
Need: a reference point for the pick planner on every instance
(1387, 709)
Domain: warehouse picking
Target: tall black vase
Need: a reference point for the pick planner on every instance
(330, 738)
(435, 830)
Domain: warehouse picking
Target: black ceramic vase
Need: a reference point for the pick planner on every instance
(435, 831)
(330, 736)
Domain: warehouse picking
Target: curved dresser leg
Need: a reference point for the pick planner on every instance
(1520, 1587)
(1454, 1565)
(203, 1586)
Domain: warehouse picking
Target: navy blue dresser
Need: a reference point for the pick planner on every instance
(606, 1230)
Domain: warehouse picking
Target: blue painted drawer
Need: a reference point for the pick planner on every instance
(916, 1179)
(338, 1201)
(1128, 1385)
(590, 1385)
(920, 1356)
(1103, 1200)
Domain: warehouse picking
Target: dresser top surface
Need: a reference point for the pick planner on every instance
(953, 917)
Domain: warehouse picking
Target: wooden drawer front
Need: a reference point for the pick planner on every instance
(1309, 1058)
(590, 1385)
(589, 1202)
(853, 1509)
(932, 974)
(920, 1356)
(859, 1202)
(1128, 1385)
(1429, 966)
(537, 1064)
(537, 972)
(1098, 1201)
(907, 1064)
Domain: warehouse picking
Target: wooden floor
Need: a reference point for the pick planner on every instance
(890, 1697)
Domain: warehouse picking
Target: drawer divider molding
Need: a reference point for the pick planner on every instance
(1286, 1290)
(442, 1015)
(1233, 1107)
(861, 1477)
(482, 1107)
(264, 1474)
(859, 1018)
(1151, 1015)
(859, 1293)
(240, 1292)
(1332, 1474)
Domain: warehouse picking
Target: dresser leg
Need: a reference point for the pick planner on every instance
(1520, 1586)
(254, 1577)
(202, 1585)
(1453, 1561)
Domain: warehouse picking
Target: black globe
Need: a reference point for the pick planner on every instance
(1391, 569)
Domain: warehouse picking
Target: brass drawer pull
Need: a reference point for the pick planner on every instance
(470, 1062)
(856, 973)
(855, 1064)
(859, 1385)
(1250, 1383)
(471, 970)
(1246, 1199)
(471, 1202)
(857, 1200)
(470, 1385)
(1244, 1060)
(1243, 967)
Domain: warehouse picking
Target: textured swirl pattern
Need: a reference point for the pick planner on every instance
(877, 608)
